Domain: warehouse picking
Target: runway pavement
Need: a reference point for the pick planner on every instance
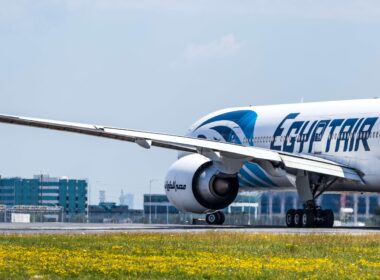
(71, 228)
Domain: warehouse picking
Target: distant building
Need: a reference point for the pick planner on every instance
(158, 204)
(42, 190)
(109, 212)
(158, 209)
(102, 196)
(126, 199)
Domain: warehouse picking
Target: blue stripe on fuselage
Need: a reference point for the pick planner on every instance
(249, 178)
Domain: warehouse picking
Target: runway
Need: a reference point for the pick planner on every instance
(71, 228)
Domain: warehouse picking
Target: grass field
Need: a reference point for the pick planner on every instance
(193, 256)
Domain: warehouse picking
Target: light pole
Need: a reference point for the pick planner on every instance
(150, 199)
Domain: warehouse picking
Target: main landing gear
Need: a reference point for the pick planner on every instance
(216, 218)
(309, 189)
(310, 217)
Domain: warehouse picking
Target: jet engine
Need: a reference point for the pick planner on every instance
(194, 184)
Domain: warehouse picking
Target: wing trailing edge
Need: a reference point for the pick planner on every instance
(195, 145)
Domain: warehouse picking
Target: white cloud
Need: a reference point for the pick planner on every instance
(225, 46)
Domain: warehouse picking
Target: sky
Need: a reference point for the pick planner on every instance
(161, 65)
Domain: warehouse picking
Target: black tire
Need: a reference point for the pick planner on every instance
(221, 218)
(211, 218)
(290, 217)
(328, 216)
(217, 218)
(298, 218)
(319, 221)
(308, 219)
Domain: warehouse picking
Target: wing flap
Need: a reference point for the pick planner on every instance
(321, 167)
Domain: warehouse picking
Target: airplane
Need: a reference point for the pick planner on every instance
(311, 148)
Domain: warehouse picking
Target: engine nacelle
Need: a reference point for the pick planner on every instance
(194, 185)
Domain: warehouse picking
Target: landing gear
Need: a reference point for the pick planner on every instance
(309, 188)
(216, 218)
(310, 218)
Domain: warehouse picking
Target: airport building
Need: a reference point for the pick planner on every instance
(43, 190)
(158, 204)
(109, 212)
(158, 210)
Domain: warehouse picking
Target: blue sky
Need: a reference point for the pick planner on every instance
(161, 65)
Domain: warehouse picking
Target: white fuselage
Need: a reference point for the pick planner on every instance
(346, 132)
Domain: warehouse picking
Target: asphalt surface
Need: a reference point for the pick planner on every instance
(71, 228)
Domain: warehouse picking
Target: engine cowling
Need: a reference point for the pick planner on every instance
(194, 185)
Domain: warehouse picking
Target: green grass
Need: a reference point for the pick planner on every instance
(208, 255)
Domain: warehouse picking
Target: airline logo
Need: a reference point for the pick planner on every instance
(338, 135)
(244, 120)
(172, 185)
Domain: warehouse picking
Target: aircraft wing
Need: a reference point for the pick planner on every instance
(202, 146)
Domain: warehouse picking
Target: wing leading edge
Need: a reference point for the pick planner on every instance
(188, 144)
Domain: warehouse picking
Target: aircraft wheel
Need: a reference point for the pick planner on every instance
(319, 220)
(221, 218)
(216, 218)
(290, 217)
(328, 216)
(308, 219)
(298, 218)
(211, 218)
